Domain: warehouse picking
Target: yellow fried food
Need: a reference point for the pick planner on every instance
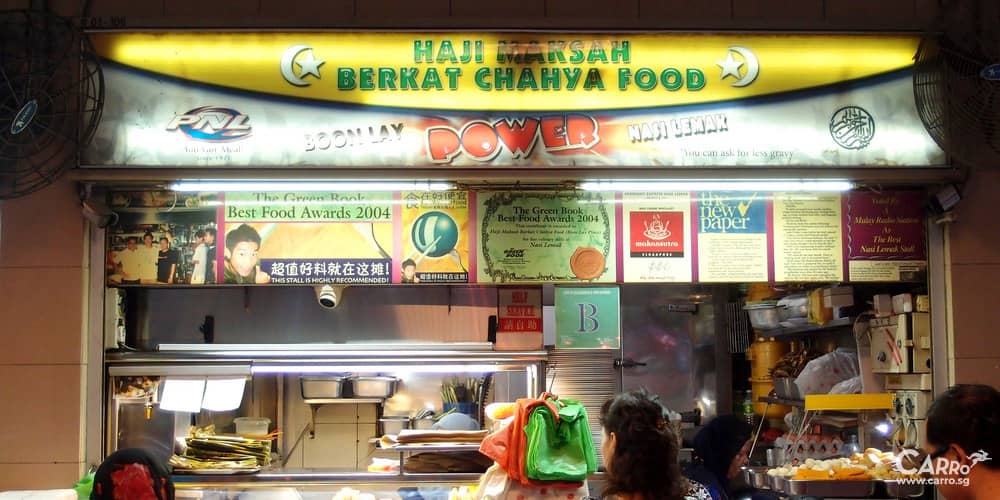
(812, 474)
(851, 473)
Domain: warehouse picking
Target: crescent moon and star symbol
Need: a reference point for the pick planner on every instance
(731, 67)
(307, 65)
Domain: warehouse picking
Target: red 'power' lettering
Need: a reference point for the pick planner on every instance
(483, 141)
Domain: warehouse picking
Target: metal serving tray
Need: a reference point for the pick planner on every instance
(830, 488)
(322, 386)
(777, 483)
(756, 477)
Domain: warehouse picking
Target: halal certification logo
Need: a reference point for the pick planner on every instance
(852, 127)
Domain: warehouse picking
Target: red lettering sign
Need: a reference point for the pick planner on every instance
(483, 141)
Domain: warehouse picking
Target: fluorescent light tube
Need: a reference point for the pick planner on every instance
(729, 185)
(310, 186)
(399, 369)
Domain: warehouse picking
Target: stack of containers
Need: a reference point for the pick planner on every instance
(763, 354)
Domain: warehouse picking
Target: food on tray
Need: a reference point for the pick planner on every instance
(793, 363)
(870, 464)
(206, 450)
(416, 436)
(463, 493)
(352, 494)
(500, 411)
(842, 469)
(383, 465)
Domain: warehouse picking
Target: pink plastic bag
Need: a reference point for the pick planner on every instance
(826, 371)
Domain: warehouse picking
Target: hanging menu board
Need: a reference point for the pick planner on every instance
(435, 237)
(732, 237)
(808, 237)
(656, 237)
(546, 237)
(885, 236)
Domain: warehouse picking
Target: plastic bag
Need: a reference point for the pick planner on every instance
(496, 485)
(826, 371)
(84, 486)
(559, 447)
(849, 386)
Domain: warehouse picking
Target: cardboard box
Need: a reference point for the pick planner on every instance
(883, 305)
(890, 342)
(838, 296)
(902, 303)
(921, 361)
(923, 303)
(920, 330)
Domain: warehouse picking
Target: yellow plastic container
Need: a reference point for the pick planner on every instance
(763, 354)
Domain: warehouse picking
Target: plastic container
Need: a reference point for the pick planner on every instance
(252, 426)
(763, 354)
(471, 409)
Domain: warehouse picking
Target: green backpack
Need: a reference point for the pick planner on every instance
(560, 450)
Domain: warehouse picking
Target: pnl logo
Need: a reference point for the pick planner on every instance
(212, 124)
(943, 470)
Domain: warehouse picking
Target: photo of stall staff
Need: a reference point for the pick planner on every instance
(162, 238)
(242, 248)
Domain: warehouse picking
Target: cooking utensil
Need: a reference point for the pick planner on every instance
(393, 424)
(785, 388)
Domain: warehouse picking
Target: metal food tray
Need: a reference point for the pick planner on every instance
(776, 483)
(756, 477)
(830, 488)
(895, 489)
(217, 472)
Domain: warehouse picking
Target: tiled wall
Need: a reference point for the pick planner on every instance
(41, 236)
(41, 359)
(973, 242)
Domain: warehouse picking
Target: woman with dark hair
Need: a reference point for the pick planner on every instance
(132, 474)
(720, 449)
(640, 451)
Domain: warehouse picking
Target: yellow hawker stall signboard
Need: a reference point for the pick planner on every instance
(370, 99)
